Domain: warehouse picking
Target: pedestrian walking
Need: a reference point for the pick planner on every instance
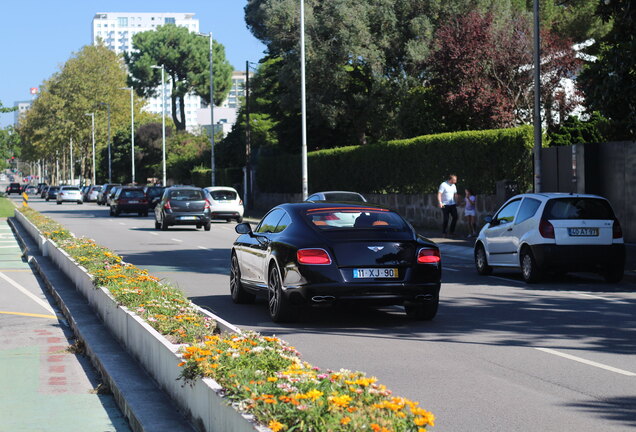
(447, 200)
(470, 203)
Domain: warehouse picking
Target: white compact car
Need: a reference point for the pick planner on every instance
(556, 232)
(337, 196)
(69, 194)
(225, 203)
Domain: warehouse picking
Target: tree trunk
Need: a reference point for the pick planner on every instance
(177, 117)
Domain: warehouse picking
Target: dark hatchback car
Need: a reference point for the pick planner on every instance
(13, 188)
(183, 205)
(51, 193)
(326, 253)
(153, 193)
(129, 200)
(102, 196)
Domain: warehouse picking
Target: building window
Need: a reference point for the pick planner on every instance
(170, 21)
(122, 22)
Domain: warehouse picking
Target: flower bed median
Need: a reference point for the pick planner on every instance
(260, 375)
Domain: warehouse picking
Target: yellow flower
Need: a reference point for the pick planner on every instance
(272, 379)
(276, 426)
(340, 401)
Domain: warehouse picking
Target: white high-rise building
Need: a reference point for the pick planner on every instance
(116, 30)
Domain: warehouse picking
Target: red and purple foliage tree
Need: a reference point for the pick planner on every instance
(483, 70)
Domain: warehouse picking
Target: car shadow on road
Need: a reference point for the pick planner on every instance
(619, 409)
(208, 261)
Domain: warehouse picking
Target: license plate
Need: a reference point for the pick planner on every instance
(188, 218)
(133, 202)
(370, 273)
(583, 232)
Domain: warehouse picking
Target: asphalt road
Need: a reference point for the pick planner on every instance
(500, 356)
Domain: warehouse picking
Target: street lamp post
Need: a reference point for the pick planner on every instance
(212, 164)
(537, 100)
(110, 162)
(92, 115)
(132, 131)
(163, 120)
(303, 108)
(71, 164)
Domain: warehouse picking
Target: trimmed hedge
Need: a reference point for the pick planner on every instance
(232, 177)
(415, 165)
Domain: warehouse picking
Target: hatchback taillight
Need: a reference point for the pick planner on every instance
(207, 205)
(167, 205)
(546, 229)
(240, 202)
(617, 231)
(428, 256)
(313, 256)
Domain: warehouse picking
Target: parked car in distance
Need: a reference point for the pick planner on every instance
(31, 190)
(93, 192)
(51, 193)
(336, 196)
(153, 194)
(104, 192)
(43, 192)
(41, 187)
(553, 232)
(129, 199)
(183, 205)
(111, 194)
(299, 254)
(14, 188)
(225, 203)
(69, 194)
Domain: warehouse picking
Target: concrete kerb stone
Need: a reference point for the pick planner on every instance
(157, 355)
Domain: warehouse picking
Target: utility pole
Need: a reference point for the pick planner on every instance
(163, 120)
(71, 166)
(212, 165)
(248, 145)
(537, 100)
(303, 108)
(92, 115)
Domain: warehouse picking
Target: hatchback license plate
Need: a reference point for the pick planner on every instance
(583, 232)
(188, 218)
(370, 273)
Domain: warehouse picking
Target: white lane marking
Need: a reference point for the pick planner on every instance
(450, 269)
(587, 362)
(177, 240)
(134, 227)
(202, 247)
(121, 223)
(505, 279)
(11, 246)
(153, 233)
(28, 293)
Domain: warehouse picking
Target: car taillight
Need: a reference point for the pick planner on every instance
(207, 205)
(546, 229)
(617, 231)
(240, 202)
(428, 256)
(167, 205)
(313, 256)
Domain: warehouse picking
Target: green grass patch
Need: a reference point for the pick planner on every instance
(6, 207)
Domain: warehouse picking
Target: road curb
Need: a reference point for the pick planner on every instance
(145, 406)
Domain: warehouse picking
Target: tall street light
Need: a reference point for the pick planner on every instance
(132, 131)
(92, 116)
(537, 100)
(212, 165)
(163, 120)
(110, 162)
(303, 108)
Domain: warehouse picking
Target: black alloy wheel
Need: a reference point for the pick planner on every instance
(279, 308)
(238, 293)
(207, 226)
(481, 261)
(164, 224)
(424, 311)
(530, 270)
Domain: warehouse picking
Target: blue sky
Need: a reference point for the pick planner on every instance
(37, 36)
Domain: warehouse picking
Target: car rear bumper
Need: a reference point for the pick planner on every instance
(131, 208)
(578, 257)
(222, 214)
(177, 219)
(390, 293)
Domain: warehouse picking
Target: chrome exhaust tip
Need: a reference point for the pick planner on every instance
(424, 297)
(322, 299)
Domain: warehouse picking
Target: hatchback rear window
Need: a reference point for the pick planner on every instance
(223, 195)
(578, 208)
(134, 193)
(186, 195)
(71, 189)
(339, 196)
(355, 218)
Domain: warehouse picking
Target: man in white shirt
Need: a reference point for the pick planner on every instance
(447, 200)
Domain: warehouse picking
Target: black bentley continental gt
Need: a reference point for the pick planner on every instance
(327, 253)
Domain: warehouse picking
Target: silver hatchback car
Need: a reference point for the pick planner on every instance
(69, 194)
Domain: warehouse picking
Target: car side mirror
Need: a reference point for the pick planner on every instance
(243, 228)
(490, 220)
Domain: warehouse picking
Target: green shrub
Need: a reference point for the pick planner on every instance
(415, 165)
(232, 177)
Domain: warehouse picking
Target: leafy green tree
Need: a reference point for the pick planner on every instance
(4, 109)
(572, 131)
(610, 81)
(185, 57)
(9, 145)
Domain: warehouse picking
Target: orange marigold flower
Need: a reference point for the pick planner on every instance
(375, 427)
(345, 420)
(276, 426)
(181, 364)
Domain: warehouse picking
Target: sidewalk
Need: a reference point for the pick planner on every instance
(43, 385)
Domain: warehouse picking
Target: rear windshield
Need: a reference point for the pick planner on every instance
(223, 195)
(97, 188)
(53, 188)
(134, 193)
(355, 218)
(155, 191)
(186, 195)
(339, 196)
(71, 189)
(578, 208)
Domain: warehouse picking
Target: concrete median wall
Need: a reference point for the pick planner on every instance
(421, 210)
(202, 399)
